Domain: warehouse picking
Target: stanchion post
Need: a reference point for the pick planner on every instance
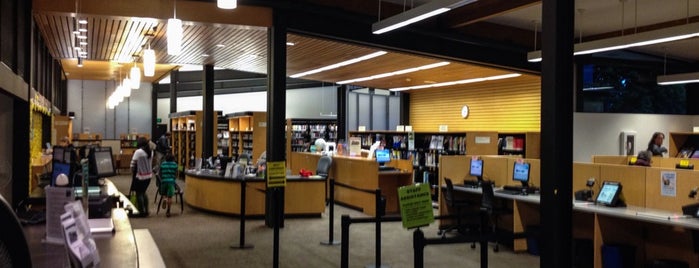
(331, 217)
(344, 239)
(379, 213)
(418, 248)
(484, 240)
(241, 244)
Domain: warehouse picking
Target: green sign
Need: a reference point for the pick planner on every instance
(159, 120)
(415, 205)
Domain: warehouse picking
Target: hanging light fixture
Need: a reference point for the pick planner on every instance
(135, 76)
(80, 62)
(174, 34)
(227, 4)
(149, 62)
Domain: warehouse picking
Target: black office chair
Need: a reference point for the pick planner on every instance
(492, 212)
(323, 170)
(14, 250)
(454, 204)
(179, 197)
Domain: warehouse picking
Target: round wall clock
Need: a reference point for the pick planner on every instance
(464, 111)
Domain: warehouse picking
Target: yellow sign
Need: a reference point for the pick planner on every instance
(276, 174)
(684, 163)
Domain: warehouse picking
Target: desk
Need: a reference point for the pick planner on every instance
(655, 233)
(360, 173)
(213, 192)
(116, 250)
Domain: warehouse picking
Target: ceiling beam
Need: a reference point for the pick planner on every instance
(320, 22)
(482, 10)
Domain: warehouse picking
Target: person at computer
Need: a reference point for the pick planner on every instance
(643, 158)
(655, 145)
(142, 173)
(168, 171)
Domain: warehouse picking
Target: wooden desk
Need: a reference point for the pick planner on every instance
(656, 233)
(354, 174)
(302, 196)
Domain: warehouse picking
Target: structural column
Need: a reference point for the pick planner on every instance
(174, 81)
(208, 126)
(342, 113)
(557, 132)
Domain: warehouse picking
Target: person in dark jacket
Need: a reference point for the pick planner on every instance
(655, 145)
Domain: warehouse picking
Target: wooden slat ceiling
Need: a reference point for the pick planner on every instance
(118, 39)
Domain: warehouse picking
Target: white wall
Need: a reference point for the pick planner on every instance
(300, 103)
(87, 98)
(599, 133)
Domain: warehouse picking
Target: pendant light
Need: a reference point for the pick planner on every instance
(135, 75)
(174, 34)
(227, 4)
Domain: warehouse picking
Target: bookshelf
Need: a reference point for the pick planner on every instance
(222, 137)
(248, 134)
(679, 141)
(319, 128)
(526, 144)
(188, 137)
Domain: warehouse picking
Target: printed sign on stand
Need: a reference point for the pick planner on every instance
(276, 174)
(415, 205)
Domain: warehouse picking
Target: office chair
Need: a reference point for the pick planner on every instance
(454, 204)
(493, 213)
(323, 169)
(179, 197)
(14, 250)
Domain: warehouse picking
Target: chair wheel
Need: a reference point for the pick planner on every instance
(473, 246)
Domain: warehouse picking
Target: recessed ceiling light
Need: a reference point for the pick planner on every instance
(82, 30)
(404, 71)
(290, 43)
(465, 81)
(205, 55)
(430, 82)
(220, 45)
(340, 64)
(82, 21)
(82, 37)
(83, 43)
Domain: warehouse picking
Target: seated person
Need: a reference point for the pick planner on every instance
(643, 158)
(168, 171)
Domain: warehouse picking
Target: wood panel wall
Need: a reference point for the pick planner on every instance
(503, 105)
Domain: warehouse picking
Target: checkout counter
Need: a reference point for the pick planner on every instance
(355, 175)
(210, 190)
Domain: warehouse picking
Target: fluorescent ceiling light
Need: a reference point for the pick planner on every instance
(290, 43)
(633, 40)
(340, 64)
(227, 4)
(174, 37)
(416, 14)
(673, 79)
(451, 83)
(404, 71)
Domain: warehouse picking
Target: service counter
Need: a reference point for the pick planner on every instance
(354, 176)
(213, 192)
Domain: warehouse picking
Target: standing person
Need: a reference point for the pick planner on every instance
(655, 145)
(162, 147)
(142, 173)
(168, 171)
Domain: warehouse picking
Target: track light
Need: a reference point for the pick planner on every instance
(416, 14)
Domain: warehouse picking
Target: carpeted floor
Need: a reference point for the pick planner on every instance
(201, 239)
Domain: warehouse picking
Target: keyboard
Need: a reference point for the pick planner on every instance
(387, 168)
(471, 183)
(510, 192)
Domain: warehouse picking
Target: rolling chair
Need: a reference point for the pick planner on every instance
(454, 204)
(14, 250)
(179, 196)
(491, 212)
(322, 170)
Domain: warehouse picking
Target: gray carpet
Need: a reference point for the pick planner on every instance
(201, 239)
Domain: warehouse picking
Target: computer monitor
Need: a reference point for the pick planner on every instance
(383, 156)
(60, 168)
(101, 163)
(58, 153)
(520, 172)
(609, 193)
(476, 169)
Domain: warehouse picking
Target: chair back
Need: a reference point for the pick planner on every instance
(449, 193)
(488, 196)
(324, 164)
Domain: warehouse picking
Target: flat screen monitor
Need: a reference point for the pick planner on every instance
(59, 168)
(476, 168)
(520, 173)
(68, 156)
(101, 163)
(609, 193)
(383, 156)
(58, 153)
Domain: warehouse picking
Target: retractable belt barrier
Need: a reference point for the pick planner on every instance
(241, 243)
